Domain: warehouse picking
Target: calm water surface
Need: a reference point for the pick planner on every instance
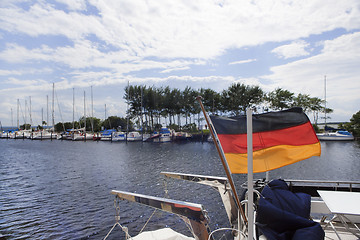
(61, 189)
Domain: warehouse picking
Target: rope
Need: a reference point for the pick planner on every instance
(230, 229)
(125, 229)
(166, 195)
(117, 219)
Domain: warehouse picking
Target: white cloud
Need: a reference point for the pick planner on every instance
(185, 29)
(174, 69)
(28, 71)
(132, 36)
(8, 72)
(23, 83)
(339, 61)
(294, 49)
(74, 4)
(243, 61)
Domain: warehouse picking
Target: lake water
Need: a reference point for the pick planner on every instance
(61, 189)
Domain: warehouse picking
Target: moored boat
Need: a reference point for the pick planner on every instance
(340, 135)
(43, 135)
(81, 135)
(164, 135)
(133, 136)
(106, 135)
(118, 136)
(181, 136)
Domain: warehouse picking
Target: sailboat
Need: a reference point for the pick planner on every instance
(241, 216)
(333, 135)
(80, 134)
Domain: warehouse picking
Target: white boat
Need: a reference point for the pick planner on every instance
(133, 136)
(66, 135)
(164, 135)
(21, 134)
(340, 135)
(118, 136)
(106, 135)
(43, 135)
(5, 134)
(82, 136)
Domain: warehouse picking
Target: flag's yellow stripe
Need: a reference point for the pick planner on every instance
(272, 157)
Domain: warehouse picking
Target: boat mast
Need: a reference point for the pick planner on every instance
(73, 122)
(325, 99)
(42, 117)
(47, 110)
(18, 106)
(25, 115)
(92, 111)
(30, 112)
(127, 110)
(12, 119)
(84, 114)
(53, 108)
(141, 113)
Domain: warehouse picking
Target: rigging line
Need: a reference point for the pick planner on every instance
(57, 100)
(22, 114)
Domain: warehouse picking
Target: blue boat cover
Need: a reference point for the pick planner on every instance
(283, 215)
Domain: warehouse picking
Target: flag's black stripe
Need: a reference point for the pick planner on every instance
(261, 122)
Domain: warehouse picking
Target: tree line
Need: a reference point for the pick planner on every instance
(148, 105)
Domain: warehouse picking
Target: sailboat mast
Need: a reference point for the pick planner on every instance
(30, 112)
(73, 122)
(325, 99)
(25, 115)
(105, 113)
(12, 119)
(53, 107)
(92, 111)
(47, 110)
(18, 106)
(127, 109)
(84, 114)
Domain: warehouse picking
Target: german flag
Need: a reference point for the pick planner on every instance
(279, 139)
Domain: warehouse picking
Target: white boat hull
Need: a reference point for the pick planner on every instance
(336, 136)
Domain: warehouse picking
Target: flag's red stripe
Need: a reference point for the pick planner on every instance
(295, 136)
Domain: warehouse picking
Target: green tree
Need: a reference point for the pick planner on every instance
(93, 124)
(211, 100)
(354, 124)
(316, 107)
(114, 122)
(188, 101)
(280, 99)
(25, 126)
(238, 97)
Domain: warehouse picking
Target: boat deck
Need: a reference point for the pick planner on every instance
(344, 234)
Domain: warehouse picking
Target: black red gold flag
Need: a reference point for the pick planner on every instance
(279, 139)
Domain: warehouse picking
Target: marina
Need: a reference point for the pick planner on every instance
(61, 189)
(201, 120)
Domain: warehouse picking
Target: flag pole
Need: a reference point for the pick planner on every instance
(223, 161)
(250, 177)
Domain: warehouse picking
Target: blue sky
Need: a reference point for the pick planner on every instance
(106, 44)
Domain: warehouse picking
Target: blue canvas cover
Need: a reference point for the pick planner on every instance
(283, 215)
